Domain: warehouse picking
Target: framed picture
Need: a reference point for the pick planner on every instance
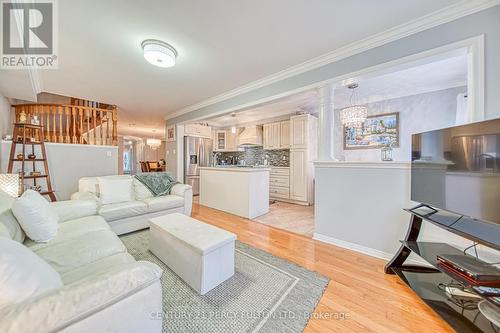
(377, 131)
(170, 133)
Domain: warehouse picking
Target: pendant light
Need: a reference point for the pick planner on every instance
(353, 115)
(233, 128)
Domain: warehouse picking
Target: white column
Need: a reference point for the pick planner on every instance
(325, 123)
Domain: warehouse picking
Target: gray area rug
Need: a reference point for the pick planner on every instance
(266, 294)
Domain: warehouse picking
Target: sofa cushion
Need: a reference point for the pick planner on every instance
(9, 227)
(141, 192)
(97, 267)
(72, 253)
(91, 184)
(122, 210)
(73, 209)
(165, 202)
(71, 229)
(115, 190)
(36, 216)
(23, 274)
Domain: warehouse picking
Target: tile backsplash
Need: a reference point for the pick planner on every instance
(256, 155)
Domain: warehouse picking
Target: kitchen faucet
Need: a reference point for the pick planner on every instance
(216, 157)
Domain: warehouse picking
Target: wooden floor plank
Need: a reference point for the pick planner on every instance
(371, 300)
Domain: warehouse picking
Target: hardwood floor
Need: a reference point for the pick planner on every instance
(370, 300)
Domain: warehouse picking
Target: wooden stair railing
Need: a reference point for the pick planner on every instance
(74, 124)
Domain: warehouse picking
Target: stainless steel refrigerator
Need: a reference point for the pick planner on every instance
(197, 153)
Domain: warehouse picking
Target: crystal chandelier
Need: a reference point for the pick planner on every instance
(353, 115)
(153, 143)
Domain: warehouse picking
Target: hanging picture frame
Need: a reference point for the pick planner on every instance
(377, 131)
(171, 133)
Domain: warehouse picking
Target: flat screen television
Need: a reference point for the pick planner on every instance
(457, 171)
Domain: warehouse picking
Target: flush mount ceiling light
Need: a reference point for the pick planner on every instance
(159, 53)
(353, 115)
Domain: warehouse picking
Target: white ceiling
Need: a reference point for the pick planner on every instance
(222, 45)
(433, 76)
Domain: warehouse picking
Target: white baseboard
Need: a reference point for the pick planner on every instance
(363, 249)
(353, 246)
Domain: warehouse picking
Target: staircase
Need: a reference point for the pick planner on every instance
(81, 122)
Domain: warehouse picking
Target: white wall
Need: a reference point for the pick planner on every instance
(417, 113)
(359, 205)
(68, 163)
(6, 120)
(359, 202)
(174, 154)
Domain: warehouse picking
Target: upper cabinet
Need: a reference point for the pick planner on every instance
(285, 134)
(299, 132)
(198, 130)
(225, 140)
(220, 140)
(273, 135)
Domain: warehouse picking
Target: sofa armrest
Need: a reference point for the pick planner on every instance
(73, 209)
(185, 191)
(86, 300)
(84, 196)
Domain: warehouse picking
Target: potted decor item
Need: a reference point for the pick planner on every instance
(35, 120)
(386, 153)
(22, 117)
(20, 157)
(37, 188)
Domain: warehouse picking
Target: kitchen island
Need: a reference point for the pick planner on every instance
(243, 191)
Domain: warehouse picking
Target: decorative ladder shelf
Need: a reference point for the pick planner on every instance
(22, 130)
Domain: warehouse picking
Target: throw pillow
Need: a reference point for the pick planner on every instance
(23, 274)
(9, 227)
(114, 190)
(36, 216)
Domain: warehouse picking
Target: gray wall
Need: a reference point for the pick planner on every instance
(68, 163)
(486, 22)
(417, 113)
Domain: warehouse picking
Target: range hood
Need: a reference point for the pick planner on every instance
(250, 137)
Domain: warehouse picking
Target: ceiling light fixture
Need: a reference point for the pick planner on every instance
(353, 115)
(159, 53)
(233, 128)
(153, 143)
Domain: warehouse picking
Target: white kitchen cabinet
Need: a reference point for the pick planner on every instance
(225, 140)
(220, 141)
(299, 131)
(298, 175)
(279, 183)
(198, 130)
(285, 134)
(231, 141)
(267, 133)
(303, 151)
(272, 135)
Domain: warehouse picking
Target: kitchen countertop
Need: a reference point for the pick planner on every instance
(237, 168)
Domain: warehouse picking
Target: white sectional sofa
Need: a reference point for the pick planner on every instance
(104, 288)
(124, 217)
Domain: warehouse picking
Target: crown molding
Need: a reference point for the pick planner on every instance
(442, 16)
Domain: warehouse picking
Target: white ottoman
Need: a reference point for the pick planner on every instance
(201, 254)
